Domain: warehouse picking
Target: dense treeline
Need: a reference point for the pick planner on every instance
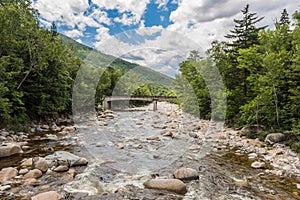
(36, 69)
(260, 69)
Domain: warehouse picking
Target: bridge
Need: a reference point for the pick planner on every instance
(154, 99)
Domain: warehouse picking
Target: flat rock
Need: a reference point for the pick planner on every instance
(186, 173)
(50, 195)
(7, 173)
(173, 185)
(66, 158)
(35, 173)
(9, 149)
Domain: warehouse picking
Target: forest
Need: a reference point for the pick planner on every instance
(38, 68)
(260, 69)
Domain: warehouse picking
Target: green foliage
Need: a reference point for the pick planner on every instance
(36, 69)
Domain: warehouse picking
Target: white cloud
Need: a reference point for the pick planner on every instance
(73, 33)
(126, 19)
(135, 7)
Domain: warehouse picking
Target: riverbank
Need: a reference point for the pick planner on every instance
(165, 154)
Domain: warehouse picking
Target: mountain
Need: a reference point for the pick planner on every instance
(97, 59)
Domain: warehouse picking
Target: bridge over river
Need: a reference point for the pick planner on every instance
(107, 102)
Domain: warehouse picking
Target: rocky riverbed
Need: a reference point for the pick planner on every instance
(143, 154)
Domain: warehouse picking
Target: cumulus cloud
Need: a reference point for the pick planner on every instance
(135, 7)
(73, 33)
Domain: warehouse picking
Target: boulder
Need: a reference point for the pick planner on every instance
(50, 195)
(275, 138)
(9, 149)
(69, 129)
(7, 173)
(66, 158)
(40, 163)
(173, 185)
(186, 173)
(35, 173)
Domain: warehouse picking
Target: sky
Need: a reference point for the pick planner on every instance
(155, 33)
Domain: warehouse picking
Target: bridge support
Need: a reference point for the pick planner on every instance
(154, 104)
(106, 105)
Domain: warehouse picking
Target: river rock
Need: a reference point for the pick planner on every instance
(173, 185)
(7, 173)
(35, 173)
(40, 163)
(153, 137)
(69, 129)
(252, 156)
(23, 171)
(9, 149)
(275, 138)
(66, 158)
(258, 165)
(186, 173)
(50, 195)
(5, 187)
(166, 133)
(27, 162)
(29, 181)
(61, 168)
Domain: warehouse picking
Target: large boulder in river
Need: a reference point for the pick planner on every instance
(173, 185)
(275, 138)
(7, 173)
(9, 149)
(65, 158)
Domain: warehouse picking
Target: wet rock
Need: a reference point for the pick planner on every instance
(35, 173)
(9, 149)
(173, 185)
(275, 138)
(258, 165)
(61, 168)
(66, 158)
(7, 173)
(40, 163)
(51, 195)
(186, 174)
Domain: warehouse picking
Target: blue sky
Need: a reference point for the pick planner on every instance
(154, 33)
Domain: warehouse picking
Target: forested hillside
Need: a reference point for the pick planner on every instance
(261, 72)
(101, 60)
(38, 67)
